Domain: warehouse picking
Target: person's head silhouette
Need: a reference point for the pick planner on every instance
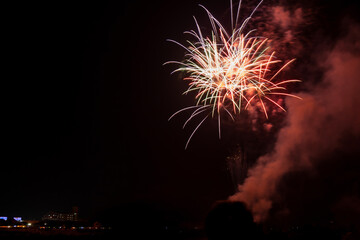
(230, 220)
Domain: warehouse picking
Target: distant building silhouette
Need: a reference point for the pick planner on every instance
(61, 216)
(75, 211)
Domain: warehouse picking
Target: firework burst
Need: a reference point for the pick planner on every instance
(229, 71)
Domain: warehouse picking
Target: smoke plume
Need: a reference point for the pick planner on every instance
(313, 168)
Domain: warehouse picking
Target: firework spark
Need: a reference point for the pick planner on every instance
(229, 72)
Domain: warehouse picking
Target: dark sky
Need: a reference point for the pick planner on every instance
(87, 101)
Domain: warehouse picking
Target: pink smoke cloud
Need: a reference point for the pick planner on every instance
(287, 18)
(315, 127)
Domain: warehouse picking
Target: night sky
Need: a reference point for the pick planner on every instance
(87, 98)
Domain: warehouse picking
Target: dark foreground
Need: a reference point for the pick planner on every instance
(199, 234)
(226, 221)
(56, 234)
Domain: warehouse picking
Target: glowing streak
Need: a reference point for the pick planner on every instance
(275, 103)
(187, 143)
(195, 113)
(181, 110)
(262, 103)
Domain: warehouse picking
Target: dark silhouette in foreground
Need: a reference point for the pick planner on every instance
(231, 220)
